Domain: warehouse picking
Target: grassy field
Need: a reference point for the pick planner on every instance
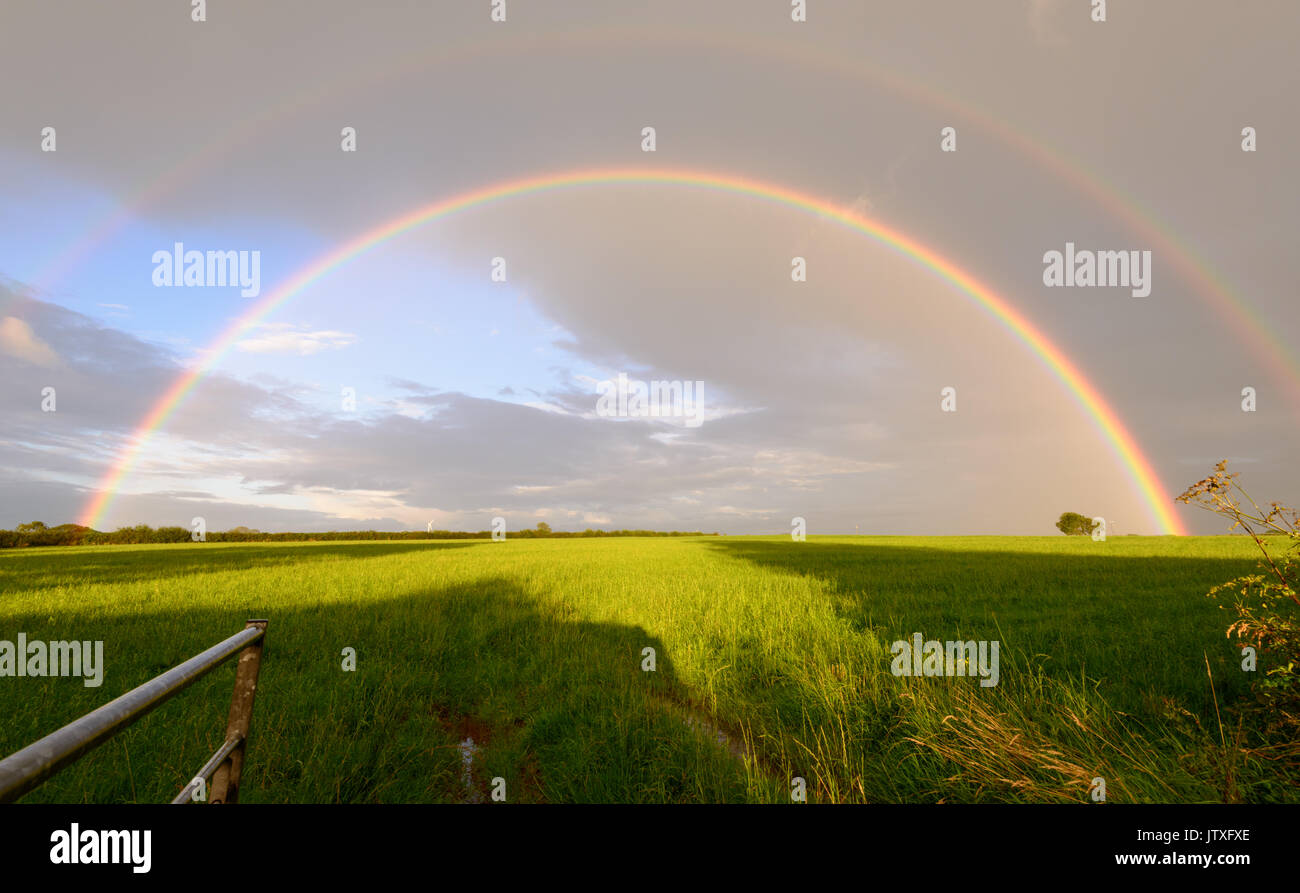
(534, 649)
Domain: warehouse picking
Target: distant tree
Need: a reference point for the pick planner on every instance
(242, 529)
(1074, 524)
(543, 528)
(34, 527)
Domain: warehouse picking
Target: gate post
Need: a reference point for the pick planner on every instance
(225, 781)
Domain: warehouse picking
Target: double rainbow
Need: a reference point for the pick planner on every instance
(1120, 441)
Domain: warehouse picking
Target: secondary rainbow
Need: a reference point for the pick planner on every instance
(1122, 444)
(1261, 337)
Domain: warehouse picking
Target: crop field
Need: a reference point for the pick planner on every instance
(771, 663)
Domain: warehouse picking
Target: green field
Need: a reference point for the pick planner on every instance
(534, 649)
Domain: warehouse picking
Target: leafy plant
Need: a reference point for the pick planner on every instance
(1266, 604)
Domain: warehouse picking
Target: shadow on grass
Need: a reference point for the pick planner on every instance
(1140, 627)
(559, 710)
(56, 566)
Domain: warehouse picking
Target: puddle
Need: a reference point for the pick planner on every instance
(468, 750)
(735, 746)
(473, 735)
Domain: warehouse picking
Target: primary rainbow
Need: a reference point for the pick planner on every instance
(1103, 416)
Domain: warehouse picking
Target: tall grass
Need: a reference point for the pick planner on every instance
(534, 648)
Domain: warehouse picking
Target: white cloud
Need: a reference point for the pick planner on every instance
(286, 338)
(547, 407)
(18, 340)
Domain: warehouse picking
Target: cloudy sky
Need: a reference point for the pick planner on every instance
(476, 398)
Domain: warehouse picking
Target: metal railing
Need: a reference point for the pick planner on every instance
(24, 770)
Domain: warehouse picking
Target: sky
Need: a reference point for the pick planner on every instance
(478, 398)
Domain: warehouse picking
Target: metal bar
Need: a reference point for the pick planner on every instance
(187, 792)
(225, 781)
(24, 770)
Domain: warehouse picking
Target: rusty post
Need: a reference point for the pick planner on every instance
(225, 781)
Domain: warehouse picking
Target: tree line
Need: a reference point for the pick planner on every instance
(37, 533)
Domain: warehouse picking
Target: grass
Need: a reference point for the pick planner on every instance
(534, 648)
